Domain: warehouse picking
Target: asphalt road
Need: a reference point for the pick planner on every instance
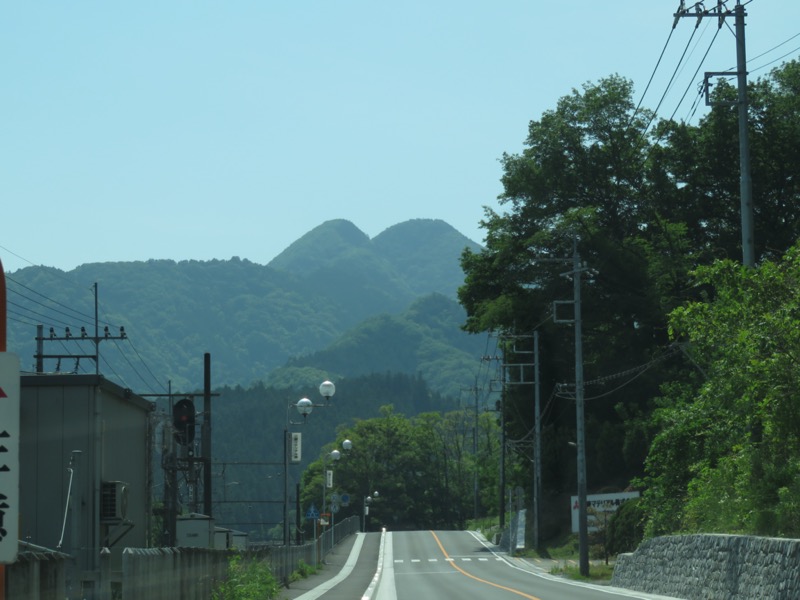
(428, 565)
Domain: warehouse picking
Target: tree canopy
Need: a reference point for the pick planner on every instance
(649, 208)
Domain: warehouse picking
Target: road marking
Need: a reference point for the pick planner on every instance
(352, 559)
(382, 586)
(471, 576)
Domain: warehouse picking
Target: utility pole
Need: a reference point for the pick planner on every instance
(745, 177)
(583, 528)
(474, 391)
(522, 379)
(206, 435)
(69, 337)
(537, 442)
(578, 268)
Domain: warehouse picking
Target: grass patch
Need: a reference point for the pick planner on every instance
(597, 572)
(488, 526)
(303, 570)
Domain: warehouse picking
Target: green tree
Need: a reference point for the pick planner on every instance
(647, 206)
(727, 456)
(422, 467)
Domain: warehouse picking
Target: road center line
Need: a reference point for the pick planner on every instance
(471, 576)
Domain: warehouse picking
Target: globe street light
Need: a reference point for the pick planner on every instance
(327, 481)
(326, 390)
(367, 502)
(304, 406)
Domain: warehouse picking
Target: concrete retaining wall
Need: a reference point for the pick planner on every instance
(708, 567)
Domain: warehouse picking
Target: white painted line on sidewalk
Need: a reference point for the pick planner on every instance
(352, 559)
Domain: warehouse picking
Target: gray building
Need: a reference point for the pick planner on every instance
(85, 468)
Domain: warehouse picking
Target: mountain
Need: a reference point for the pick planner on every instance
(333, 291)
(425, 340)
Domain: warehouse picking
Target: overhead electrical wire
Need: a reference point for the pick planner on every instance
(691, 82)
(56, 315)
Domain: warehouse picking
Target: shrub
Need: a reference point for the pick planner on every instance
(247, 580)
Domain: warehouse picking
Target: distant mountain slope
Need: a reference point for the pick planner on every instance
(416, 250)
(425, 340)
(416, 257)
(252, 318)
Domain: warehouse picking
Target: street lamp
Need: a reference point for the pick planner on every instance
(304, 406)
(367, 502)
(327, 481)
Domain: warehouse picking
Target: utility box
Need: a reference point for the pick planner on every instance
(238, 540)
(194, 531)
(222, 538)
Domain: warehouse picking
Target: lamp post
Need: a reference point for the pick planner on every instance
(367, 501)
(304, 406)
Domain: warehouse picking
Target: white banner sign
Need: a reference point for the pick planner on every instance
(297, 448)
(9, 457)
(599, 507)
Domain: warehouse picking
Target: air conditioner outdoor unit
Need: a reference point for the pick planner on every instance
(113, 501)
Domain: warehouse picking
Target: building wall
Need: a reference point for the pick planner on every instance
(100, 431)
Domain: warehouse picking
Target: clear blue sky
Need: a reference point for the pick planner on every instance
(198, 130)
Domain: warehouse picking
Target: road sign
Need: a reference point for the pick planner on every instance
(345, 499)
(9, 457)
(312, 512)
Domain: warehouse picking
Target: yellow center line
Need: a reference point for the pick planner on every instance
(471, 576)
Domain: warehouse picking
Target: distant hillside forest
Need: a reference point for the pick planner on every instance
(335, 301)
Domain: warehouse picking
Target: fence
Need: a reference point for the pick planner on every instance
(157, 573)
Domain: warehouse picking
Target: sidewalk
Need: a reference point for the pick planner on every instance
(335, 560)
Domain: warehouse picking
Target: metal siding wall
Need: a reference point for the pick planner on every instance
(51, 430)
(125, 458)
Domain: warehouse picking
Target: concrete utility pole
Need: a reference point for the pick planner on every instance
(520, 378)
(70, 337)
(537, 441)
(578, 268)
(583, 527)
(745, 178)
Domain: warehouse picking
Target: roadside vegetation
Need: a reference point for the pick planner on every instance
(247, 580)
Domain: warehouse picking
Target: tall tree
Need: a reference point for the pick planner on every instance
(727, 454)
(647, 207)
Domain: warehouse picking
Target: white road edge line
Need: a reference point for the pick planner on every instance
(609, 590)
(352, 559)
(386, 587)
(376, 579)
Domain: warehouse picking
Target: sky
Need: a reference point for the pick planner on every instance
(200, 130)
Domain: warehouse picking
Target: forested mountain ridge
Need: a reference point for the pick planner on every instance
(252, 318)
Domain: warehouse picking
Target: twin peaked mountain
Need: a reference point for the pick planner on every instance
(334, 300)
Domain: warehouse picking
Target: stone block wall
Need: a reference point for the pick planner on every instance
(710, 567)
